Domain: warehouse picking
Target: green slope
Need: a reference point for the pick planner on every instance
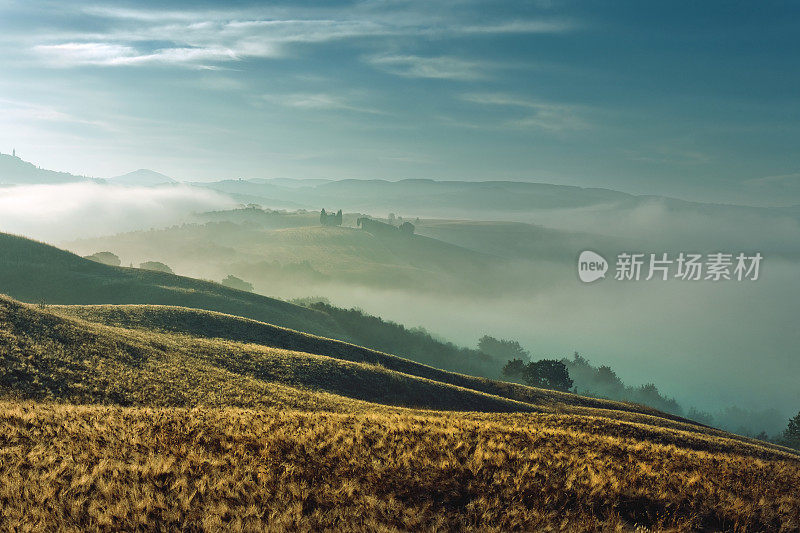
(32, 271)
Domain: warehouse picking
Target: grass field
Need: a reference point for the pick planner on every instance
(162, 417)
(94, 467)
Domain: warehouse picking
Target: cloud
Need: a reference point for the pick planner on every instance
(208, 37)
(104, 54)
(60, 212)
(553, 117)
(783, 179)
(523, 26)
(16, 110)
(443, 67)
(317, 102)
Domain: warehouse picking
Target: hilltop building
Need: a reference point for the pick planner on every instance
(330, 219)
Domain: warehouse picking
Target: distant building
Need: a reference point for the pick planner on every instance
(330, 219)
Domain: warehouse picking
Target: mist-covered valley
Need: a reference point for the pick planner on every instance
(493, 258)
(477, 264)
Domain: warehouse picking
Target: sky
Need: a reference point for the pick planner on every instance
(699, 100)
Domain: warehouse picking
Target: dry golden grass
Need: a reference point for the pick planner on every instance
(108, 468)
(241, 428)
(198, 323)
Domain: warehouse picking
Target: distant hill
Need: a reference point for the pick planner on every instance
(420, 196)
(274, 251)
(15, 171)
(142, 177)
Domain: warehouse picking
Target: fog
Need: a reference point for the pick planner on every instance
(73, 210)
(710, 345)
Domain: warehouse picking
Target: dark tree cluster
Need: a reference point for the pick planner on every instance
(330, 219)
(502, 349)
(376, 227)
(545, 374)
(791, 436)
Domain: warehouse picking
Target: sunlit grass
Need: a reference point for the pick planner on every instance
(212, 422)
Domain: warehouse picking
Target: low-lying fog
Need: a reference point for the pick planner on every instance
(63, 212)
(710, 345)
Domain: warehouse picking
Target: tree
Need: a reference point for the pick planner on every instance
(407, 228)
(330, 219)
(607, 376)
(792, 433)
(548, 374)
(106, 258)
(502, 349)
(236, 283)
(515, 368)
(156, 266)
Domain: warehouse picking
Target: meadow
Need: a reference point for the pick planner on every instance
(77, 468)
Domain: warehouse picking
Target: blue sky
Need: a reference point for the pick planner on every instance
(699, 100)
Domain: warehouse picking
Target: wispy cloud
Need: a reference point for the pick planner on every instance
(523, 26)
(26, 111)
(104, 54)
(442, 67)
(205, 38)
(318, 102)
(676, 152)
(554, 117)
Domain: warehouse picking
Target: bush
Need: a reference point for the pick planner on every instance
(156, 266)
(106, 258)
(236, 283)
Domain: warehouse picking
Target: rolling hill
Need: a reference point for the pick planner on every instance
(278, 252)
(135, 416)
(142, 178)
(421, 196)
(33, 271)
(15, 171)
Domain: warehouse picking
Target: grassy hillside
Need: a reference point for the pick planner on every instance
(147, 355)
(48, 357)
(276, 251)
(33, 271)
(210, 421)
(162, 321)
